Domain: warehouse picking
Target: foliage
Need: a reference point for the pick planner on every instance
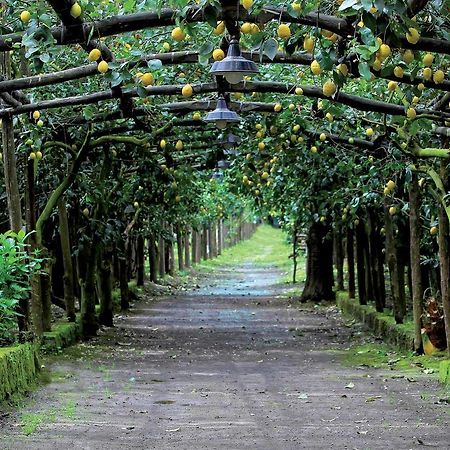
(16, 268)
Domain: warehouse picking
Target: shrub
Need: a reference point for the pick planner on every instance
(16, 268)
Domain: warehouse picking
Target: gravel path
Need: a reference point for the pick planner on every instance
(230, 365)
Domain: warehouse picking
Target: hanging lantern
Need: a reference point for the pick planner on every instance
(222, 116)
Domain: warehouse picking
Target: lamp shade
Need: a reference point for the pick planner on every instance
(234, 66)
(222, 115)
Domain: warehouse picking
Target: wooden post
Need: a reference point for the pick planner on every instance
(219, 237)
(212, 238)
(204, 242)
(152, 256)
(162, 254)
(140, 260)
(351, 263)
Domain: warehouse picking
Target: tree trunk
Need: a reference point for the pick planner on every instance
(444, 257)
(204, 242)
(140, 260)
(377, 279)
(195, 254)
(123, 284)
(180, 249)
(187, 253)
(104, 284)
(89, 324)
(212, 238)
(69, 296)
(414, 248)
(392, 260)
(339, 258)
(360, 263)
(219, 237)
(351, 263)
(162, 256)
(152, 256)
(319, 273)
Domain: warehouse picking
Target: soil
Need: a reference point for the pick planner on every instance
(230, 365)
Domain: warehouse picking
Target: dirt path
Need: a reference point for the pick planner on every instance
(228, 366)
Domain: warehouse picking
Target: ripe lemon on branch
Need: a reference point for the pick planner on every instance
(218, 54)
(102, 67)
(413, 36)
(329, 88)
(147, 79)
(94, 55)
(247, 4)
(187, 90)
(284, 32)
(315, 68)
(25, 16)
(178, 34)
(75, 10)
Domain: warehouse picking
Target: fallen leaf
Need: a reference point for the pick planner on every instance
(350, 385)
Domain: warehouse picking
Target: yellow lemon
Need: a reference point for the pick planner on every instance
(308, 44)
(25, 16)
(277, 107)
(390, 185)
(178, 34)
(40, 123)
(291, 107)
(94, 54)
(284, 32)
(75, 10)
(261, 145)
(179, 145)
(147, 79)
(220, 28)
(323, 136)
(315, 67)
(329, 88)
(438, 76)
(246, 28)
(408, 56)
(427, 73)
(376, 64)
(187, 90)
(39, 155)
(385, 51)
(298, 91)
(342, 69)
(329, 117)
(313, 149)
(398, 72)
(428, 60)
(434, 231)
(296, 7)
(369, 132)
(196, 116)
(166, 46)
(247, 4)
(392, 85)
(162, 143)
(392, 210)
(102, 67)
(36, 115)
(421, 87)
(218, 54)
(413, 36)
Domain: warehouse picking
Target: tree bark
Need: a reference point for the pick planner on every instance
(187, 253)
(339, 258)
(212, 239)
(69, 296)
(414, 248)
(161, 254)
(319, 273)
(399, 308)
(123, 284)
(105, 289)
(140, 260)
(444, 256)
(360, 263)
(180, 249)
(219, 237)
(204, 242)
(152, 256)
(351, 263)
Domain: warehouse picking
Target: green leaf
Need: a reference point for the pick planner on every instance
(364, 70)
(270, 48)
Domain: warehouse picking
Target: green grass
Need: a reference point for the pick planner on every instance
(266, 248)
(30, 422)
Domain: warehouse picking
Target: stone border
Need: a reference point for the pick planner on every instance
(400, 336)
(383, 325)
(19, 366)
